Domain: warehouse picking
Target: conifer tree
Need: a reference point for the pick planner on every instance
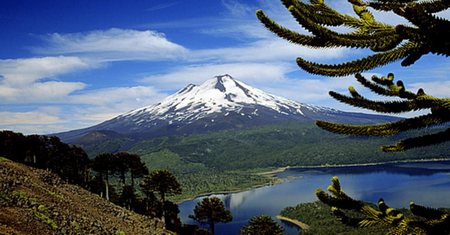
(104, 165)
(389, 43)
(262, 225)
(211, 211)
(427, 34)
(163, 182)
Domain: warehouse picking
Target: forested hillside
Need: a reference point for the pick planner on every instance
(228, 160)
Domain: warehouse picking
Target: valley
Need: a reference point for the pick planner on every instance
(231, 160)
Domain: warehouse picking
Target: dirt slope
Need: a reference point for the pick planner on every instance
(34, 201)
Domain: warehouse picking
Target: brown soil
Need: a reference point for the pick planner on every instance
(34, 201)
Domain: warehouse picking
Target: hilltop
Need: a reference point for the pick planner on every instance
(35, 201)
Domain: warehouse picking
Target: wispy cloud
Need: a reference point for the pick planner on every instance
(249, 72)
(113, 45)
(267, 50)
(437, 88)
(237, 8)
(162, 6)
(27, 118)
(19, 72)
(121, 98)
(35, 79)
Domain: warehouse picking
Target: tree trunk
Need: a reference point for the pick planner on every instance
(163, 199)
(211, 227)
(107, 187)
(132, 179)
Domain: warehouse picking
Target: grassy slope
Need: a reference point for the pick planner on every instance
(34, 201)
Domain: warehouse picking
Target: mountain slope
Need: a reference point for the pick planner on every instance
(218, 104)
(34, 201)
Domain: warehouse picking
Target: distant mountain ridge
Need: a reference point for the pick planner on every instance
(218, 104)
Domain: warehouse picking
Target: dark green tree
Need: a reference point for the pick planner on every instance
(262, 225)
(171, 218)
(136, 167)
(104, 165)
(211, 211)
(389, 43)
(163, 182)
(128, 198)
(69, 162)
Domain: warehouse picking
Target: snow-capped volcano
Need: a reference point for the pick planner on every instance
(219, 103)
(219, 95)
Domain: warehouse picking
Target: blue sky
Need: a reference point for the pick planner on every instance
(71, 64)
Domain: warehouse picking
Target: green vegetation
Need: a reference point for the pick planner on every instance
(317, 215)
(197, 179)
(230, 160)
(67, 161)
(289, 144)
(262, 225)
(211, 211)
(162, 182)
(120, 232)
(425, 220)
(75, 226)
(43, 215)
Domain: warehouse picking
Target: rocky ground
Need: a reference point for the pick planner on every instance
(34, 201)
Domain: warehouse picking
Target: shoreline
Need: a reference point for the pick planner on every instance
(370, 164)
(295, 222)
(275, 180)
(268, 174)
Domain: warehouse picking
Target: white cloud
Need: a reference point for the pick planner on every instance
(127, 97)
(114, 45)
(311, 91)
(80, 110)
(33, 79)
(27, 118)
(237, 8)
(437, 88)
(19, 72)
(93, 107)
(267, 50)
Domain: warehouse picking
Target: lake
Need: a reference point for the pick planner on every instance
(425, 183)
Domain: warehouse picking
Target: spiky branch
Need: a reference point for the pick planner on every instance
(440, 112)
(432, 221)
(390, 43)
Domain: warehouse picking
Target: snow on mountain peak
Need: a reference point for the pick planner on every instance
(221, 94)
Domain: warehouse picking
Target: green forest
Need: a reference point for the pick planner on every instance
(230, 160)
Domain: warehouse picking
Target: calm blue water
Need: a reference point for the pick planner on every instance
(424, 183)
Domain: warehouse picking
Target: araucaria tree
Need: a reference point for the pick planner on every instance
(389, 43)
(161, 181)
(425, 34)
(165, 184)
(210, 211)
(262, 225)
(104, 165)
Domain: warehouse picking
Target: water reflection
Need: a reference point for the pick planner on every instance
(424, 183)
